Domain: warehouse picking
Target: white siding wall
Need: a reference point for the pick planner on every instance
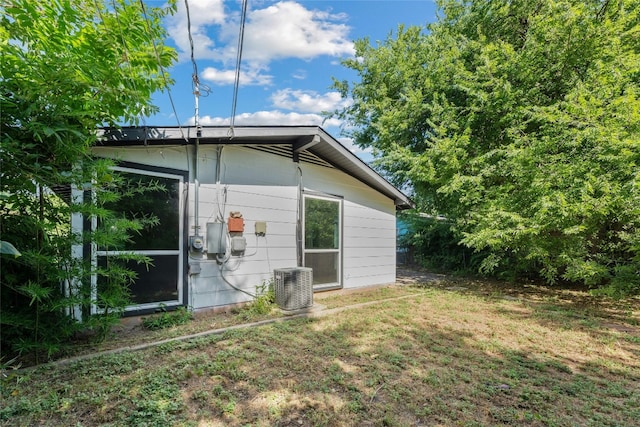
(275, 250)
(369, 227)
(264, 187)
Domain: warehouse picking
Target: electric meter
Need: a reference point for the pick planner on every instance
(197, 243)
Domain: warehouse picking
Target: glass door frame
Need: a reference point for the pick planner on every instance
(338, 251)
(181, 177)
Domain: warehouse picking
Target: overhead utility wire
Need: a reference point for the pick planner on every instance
(162, 72)
(198, 89)
(243, 19)
(196, 92)
(195, 80)
(196, 118)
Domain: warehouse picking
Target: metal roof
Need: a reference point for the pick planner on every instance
(310, 144)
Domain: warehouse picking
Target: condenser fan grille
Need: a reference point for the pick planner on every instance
(293, 287)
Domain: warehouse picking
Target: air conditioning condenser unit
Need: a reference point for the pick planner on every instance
(293, 287)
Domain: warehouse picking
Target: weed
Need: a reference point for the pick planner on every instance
(167, 319)
(11, 364)
(263, 303)
(167, 347)
(355, 405)
(201, 396)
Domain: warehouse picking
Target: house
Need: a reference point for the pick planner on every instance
(241, 202)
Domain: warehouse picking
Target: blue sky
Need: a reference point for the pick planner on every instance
(291, 51)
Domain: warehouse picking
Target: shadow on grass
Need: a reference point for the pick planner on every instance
(390, 364)
(561, 309)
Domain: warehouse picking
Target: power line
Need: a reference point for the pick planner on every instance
(193, 60)
(195, 80)
(198, 89)
(236, 84)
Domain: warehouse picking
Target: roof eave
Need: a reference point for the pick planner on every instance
(311, 138)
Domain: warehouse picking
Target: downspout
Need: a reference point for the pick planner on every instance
(196, 185)
(196, 169)
(299, 219)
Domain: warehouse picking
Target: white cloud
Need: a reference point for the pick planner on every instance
(349, 145)
(299, 74)
(250, 77)
(288, 30)
(269, 118)
(308, 101)
(203, 14)
(282, 30)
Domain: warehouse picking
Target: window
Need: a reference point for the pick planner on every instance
(323, 240)
(161, 283)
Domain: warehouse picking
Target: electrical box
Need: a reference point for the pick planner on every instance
(196, 243)
(216, 237)
(261, 228)
(236, 223)
(238, 244)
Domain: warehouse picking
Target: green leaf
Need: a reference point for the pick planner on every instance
(36, 292)
(517, 121)
(7, 248)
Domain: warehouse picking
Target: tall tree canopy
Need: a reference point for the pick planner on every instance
(68, 67)
(520, 122)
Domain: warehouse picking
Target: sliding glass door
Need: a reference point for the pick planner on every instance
(323, 240)
(160, 283)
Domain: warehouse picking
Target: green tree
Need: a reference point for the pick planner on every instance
(520, 122)
(68, 67)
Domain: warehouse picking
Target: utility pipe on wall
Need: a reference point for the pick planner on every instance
(196, 179)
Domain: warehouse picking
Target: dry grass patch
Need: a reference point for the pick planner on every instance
(133, 333)
(488, 354)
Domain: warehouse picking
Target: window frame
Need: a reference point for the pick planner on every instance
(339, 250)
(182, 282)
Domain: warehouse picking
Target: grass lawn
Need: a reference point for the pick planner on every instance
(453, 353)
